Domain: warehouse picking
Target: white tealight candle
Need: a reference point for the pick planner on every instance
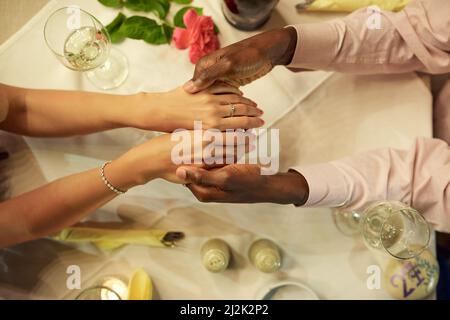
(118, 289)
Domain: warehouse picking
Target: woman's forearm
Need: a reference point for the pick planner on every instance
(59, 204)
(51, 113)
(66, 201)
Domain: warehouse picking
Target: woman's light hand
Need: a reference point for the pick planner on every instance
(159, 157)
(178, 109)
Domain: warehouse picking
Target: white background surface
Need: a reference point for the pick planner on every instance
(344, 115)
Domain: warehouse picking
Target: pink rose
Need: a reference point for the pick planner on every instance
(199, 36)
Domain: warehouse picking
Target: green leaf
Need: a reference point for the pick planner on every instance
(143, 28)
(178, 19)
(112, 3)
(139, 5)
(162, 8)
(135, 27)
(168, 31)
(114, 28)
(160, 35)
(159, 7)
(182, 1)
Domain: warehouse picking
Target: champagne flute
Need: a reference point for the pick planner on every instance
(83, 44)
(390, 226)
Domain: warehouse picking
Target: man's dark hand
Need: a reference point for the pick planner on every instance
(245, 61)
(244, 184)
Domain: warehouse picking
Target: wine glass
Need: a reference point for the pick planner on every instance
(83, 44)
(390, 226)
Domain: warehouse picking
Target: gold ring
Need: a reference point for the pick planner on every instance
(232, 110)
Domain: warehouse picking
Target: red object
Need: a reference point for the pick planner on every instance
(199, 36)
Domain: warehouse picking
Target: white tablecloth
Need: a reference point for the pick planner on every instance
(321, 116)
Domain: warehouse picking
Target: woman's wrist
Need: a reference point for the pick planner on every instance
(140, 111)
(127, 172)
(118, 175)
(160, 111)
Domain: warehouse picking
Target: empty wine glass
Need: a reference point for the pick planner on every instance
(390, 226)
(83, 44)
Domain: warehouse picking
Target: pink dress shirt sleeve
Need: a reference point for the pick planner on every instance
(415, 39)
(419, 177)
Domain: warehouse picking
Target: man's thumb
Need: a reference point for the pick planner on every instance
(188, 175)
(190, 87)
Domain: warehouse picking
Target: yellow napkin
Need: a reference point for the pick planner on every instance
(109, 239)
(351, 5)
(140, 286)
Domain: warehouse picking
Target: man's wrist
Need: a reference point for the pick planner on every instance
(286, 43)
(288, 188)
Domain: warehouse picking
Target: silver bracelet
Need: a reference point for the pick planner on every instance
(107, 183)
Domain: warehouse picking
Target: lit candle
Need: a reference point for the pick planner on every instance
(114, 289)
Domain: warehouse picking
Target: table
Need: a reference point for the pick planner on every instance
(321, 116)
